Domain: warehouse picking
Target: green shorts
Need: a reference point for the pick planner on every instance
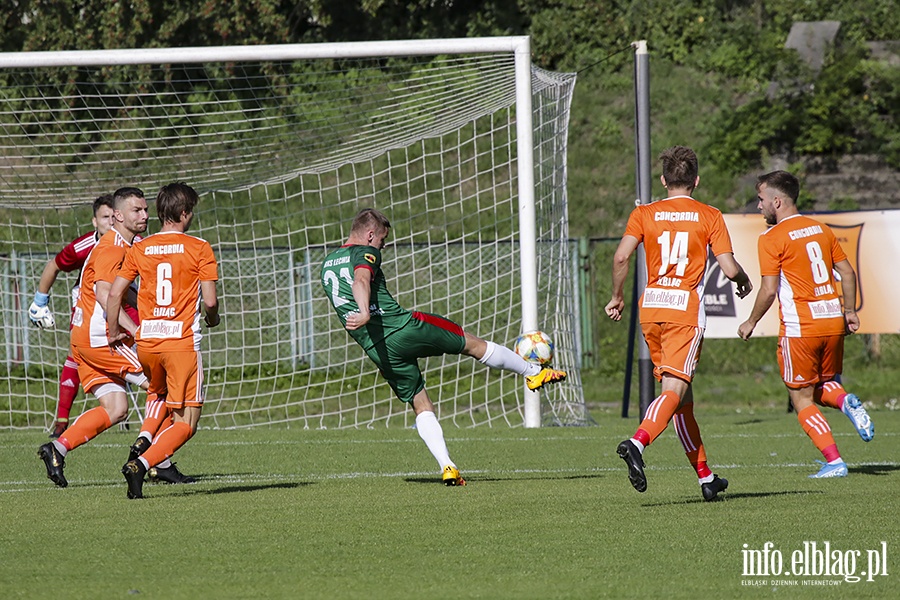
(398, 356)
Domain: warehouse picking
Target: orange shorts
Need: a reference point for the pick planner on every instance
(807, 361)
(176, 376)
(674, 348)
(97, 366)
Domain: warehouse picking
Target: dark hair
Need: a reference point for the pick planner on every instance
(369, 217)
(679, 167)
(782, 181)
(104, 200)
(175, 199)
(122, 194)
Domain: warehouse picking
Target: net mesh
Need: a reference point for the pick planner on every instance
(284, 154)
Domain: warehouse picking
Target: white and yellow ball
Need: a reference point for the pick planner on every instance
(535, 346)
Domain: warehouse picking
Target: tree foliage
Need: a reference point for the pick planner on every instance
(850, 106)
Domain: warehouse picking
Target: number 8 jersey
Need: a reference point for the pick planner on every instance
(801, 252)
(676, 233)
(171, 266)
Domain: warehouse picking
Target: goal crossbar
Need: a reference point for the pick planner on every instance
(264, 52)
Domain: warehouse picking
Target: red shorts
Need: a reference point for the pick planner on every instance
(97, 366)
(807, 361)
(176, 376)
(674, 348)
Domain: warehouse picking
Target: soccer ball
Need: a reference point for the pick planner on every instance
(535, 346)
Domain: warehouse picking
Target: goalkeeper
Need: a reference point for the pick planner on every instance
(71, 258)
(395, 338)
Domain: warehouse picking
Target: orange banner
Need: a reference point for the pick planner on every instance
(871, 240)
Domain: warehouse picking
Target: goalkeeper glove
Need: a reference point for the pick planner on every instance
(39, 312)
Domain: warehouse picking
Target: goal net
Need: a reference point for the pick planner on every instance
(285, 144)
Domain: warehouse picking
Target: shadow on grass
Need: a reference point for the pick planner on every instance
(874, 469)
(188, 489)
(728, 497)
(505, 479)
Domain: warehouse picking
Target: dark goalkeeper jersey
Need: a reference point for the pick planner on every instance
(337, 280)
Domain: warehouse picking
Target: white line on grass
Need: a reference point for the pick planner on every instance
(415, 440)
(31, 486)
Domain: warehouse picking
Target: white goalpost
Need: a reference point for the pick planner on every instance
(461, 142)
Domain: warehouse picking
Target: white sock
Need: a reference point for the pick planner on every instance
(501, 357)
(638, 445)
(164, 464)
(60, 448)
(431, 433)
(707, 479)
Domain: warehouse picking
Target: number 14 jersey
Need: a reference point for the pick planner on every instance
(676, 233)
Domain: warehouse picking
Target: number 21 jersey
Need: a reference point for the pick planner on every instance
(338, 271)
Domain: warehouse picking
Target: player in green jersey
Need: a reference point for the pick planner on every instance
(395, 338)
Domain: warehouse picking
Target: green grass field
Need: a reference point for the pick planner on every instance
(287, 513)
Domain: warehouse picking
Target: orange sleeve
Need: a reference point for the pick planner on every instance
(769, 256)
(635, 226)
(719, 239)
(837, 253)
(128, 270)
(107, 263)
(207, 263)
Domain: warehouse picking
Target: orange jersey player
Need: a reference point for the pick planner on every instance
(174, 268)
(798, 257)
(71, 258)
(103, 373)
(677, 233)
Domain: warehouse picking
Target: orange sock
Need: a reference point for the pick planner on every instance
(689, 433)
(818, 430)
(166, 443)
(657, 417)
(85, 428)
(830, 393)
(155, 415)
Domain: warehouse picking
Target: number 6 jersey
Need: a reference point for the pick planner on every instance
(676, 233)
(801, 252)
(171, 266)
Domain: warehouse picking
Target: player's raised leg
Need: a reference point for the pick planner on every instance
(500, 357)
(833, 394)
